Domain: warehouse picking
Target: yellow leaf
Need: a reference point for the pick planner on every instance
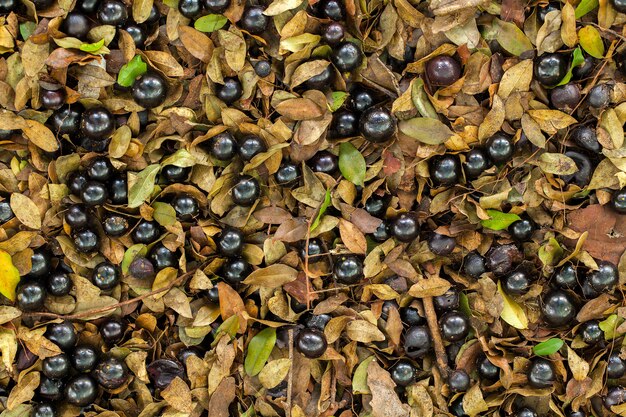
(9, 276)
(512, 313)
(591, 41)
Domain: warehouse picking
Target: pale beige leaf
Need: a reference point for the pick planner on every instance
(26, 211)
(551, 121)
(578, 366)
(430, 287)
(352, 237)
(178, 395)
(274, 372)
(363, 331)
(473, 401)
(493, 121)
(568, 27)
(516, 78)
(272, 276)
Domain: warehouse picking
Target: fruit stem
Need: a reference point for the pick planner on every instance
(433, 325)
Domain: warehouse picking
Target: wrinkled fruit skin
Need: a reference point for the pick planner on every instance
(163, 371)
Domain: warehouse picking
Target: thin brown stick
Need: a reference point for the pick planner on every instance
(290, 377)
(433, 325)
(88, 313)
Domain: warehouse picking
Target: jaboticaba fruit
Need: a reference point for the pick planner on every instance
(558, 308)
(377, 124)
(443, 70)
(405, 227)
(150, 90)
(348, 269)
(311, 343)
(550, 69)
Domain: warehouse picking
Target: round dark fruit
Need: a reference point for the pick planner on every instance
(615, 396)
(188, 352)
(115, 224)
(550, 69)
(599, 96)
(333, 33)
(86, 240)
(138, 34)
(146, 232)
(405, 227)
(605, 278)
(585, 69)
(585, 169)
(106, 275)
(235, 270)
(476, 162)
(403, 373)
(311, 343)
(361, 99)
(525, 412)
(500, 148)
(331, 9)
(454, 326)
(118, 190)
(230, 91)
(94, 193)
(216, 6)
(59, 284)
(186, 207)
(190, 8)
(486, 369)
(161, 257)
(154, 16)
(84, 358)
(345, 124)
(97, 123)
(150, 90)
(173, 174)
(619, 5)
(88, 6)
(558, 308)
(500, 259)
(56, 367)
(591, 332)
(6, 213)
(441, 244)
(8, 6)
(382, 232)
(543, 10)
(112, 331)
(62, 334)
(163, 371)
(411, 316)
(324, 161)
(53, 99)
(66, 120)
(76, 25)
(376, 205)
(40, 263)
(262, 68)
(322, 80)
(213, 295)
(223, 146)
(346, 56)
(30, 296)
(459, 380)
(246, 191)
(81, 391)
(388, 306)
(456, 408)
(565, 97)
(448, 301)
(254, 21)
(42, 4)
(230, 242)
(50, 389)
(348, 269)
(618, 201)
(377, 124)
(541, 373)
(578, 413)
(516, 283)
(615, 367)
(316, 321)
(417, 341)
(287, 174)
(522, 230)
(44, 410)
(586, 138)
(141, 268)
(100, 169)
(111, 373)
(112, 12)
(445, 170)
(474, 265)
(313, 250)
(250, 146)
(443, 70)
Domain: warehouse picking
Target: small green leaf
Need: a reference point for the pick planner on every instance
(548, 347)
(323, 208)
(352, 164)
(259, 350)
(464, 304)
(337, 99)
(92, 47)
(210, 23)
(577, 59)
(142, 189)
(138, 249)
(164, 213)
(359, 380)
(609, 326)
(27, 29)
(591, 41)
(499, 220)
(551, 252)
(585, 6)
(130, 71)
(229, 327)
(421, 100)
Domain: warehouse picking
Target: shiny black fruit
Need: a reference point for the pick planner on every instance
(42, 4)
(541, 373)
(550, 69)
(172, 174)
(230, 91)
(150, 90)
(459, 381)
(382, 232)
(448, 301)
(216, 6)
(66, 120)
(106, 275)
(441, 244)
(333, 33)
(403, 373)
(321, 81)
(84, 358)
(377, 124)
(88, 6)
(81, 391)
(8, 6)
(411, 316)
(161, 257)
(525, 412)
(246, 191)
(50, 389)
(76, 25)
(146, 232)
(250, 146)
(619, 5)
(405, 227)
(138, 34)
(476, 162)
(118, 190)
(44, 410)
(619, 201)
(186, 207)
(86, 240)
(314, 250)
(262, 68)
(486, 369)
(254, 21)
(599, 96)
(30, 296)
(591, 332)
(100, 169)
(615, 367)
(522, 230)
(500, 148)
(6, 213)
(190, 8)
(348, 269)
(311, 343)
(345, 124)
(97, 123)
(501, 259)
(558, 308)
(76, 216)
(474, 265)
(94, 193)
(346, 56)
(417, 341)
(316, 321)
(331, 9)
(585, 69)
(62, 334)
(112, 331)
(53, 99)
(376, 205)
(445, 170)
(585, 169)
(543, 10)
(40, 264)
(605, 278)
(361, 99)
(324, 161)
(287, 174)
(615, 396)
(142, 268)
(235, 270)
(223, 146)
(516, 283)
(59, 284)
(163, 371)
(111, 373)
(443, 70)
(586, 138)
(112, 12)
(56, 367)
(454, 326)
(565, 97)
(115, 224)
(230, 242)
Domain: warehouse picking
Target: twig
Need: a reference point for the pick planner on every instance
(290, 377)
(88, 313)
(440, 350)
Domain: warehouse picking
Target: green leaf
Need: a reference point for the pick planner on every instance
(210, 23)
(181, 158)
(27, 29)
(352, 164)
(591, 41)
(577, 59)
(584, 7)
(9, 276)
(421, 100)
(164, 213)
(548, 347)
(426, 130)
(609, 326)
(142, 189)
(512, 313)
(499, 220)
(130, 71)
(259, 350)
(138, 249)
(359, 380)
(92, 47)
(229, 327)
(323, 208)
(509, 36)
(550, 252)
(337, 98)
(464, 304)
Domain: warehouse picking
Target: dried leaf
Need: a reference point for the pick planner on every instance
(431, 287)
(557, 163)
(272, 276)
(512, 312)
(142, 186)
(9, 276)
(426, 130)
(26, 211)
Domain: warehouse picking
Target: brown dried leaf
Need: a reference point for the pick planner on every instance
(385, 401)
(430, 287)
(352, 237)
(272, 276)
(26, 211)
